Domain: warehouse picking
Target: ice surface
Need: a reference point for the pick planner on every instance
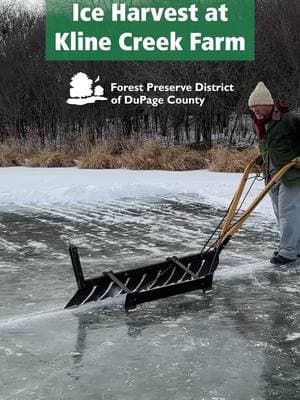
(293, 336)
(21, 185)
(240, 342)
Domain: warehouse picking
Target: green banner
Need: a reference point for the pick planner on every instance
(178, 30)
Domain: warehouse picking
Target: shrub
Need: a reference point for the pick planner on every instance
(97, 158)
(49, 158)
(152, 155)
(225, 159)
(11, 155)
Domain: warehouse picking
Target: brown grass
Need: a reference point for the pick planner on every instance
(115, 154)
(49, 159)
(11, 155)
(147, 156)
(224, 159)
(152, 155)
(98, 158)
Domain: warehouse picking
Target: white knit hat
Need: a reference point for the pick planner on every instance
(261, 96)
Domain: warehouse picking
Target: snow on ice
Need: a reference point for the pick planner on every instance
(21, 186)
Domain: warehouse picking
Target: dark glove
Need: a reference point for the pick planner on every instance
(259, 165)
(259, 161)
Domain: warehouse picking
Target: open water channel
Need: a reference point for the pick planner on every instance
(242, 341)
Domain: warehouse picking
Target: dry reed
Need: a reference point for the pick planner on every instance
(98, 158)
(115, 154)
(49, 159)
(11, 155)
(225, 159)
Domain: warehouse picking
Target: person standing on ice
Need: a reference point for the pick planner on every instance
(278, 132)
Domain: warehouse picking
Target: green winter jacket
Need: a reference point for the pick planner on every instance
(281, 144)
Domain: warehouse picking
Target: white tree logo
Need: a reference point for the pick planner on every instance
(82, 90)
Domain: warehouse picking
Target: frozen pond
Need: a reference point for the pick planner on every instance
(240, 342)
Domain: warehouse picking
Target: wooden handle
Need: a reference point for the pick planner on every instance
(232, 229)
(236, 198)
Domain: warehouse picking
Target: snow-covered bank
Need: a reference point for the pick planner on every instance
(21, 185)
